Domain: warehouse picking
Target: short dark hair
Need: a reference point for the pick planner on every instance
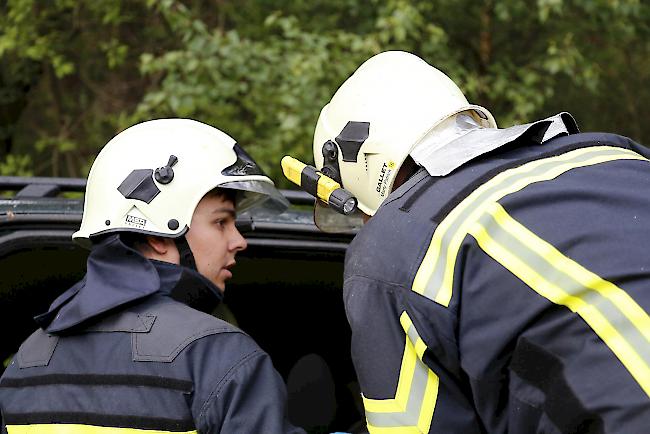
(225, 193)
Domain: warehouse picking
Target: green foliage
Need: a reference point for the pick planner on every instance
(7, 361)
(16, 165)
(73, 73)
(266, 93)
(67, 72)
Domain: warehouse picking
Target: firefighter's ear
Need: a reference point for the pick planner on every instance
(157, 244)
(161, 248)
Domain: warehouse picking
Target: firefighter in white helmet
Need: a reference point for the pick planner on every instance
(128, 347)
(499, 283)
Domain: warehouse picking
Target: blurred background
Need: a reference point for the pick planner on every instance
(73, 73)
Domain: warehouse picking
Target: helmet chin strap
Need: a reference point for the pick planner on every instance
(186, 255)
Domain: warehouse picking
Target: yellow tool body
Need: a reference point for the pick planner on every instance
(318, 185)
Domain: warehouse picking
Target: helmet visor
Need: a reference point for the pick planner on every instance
(330, 221)
(260, 194)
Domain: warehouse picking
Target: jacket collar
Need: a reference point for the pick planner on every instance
(118, 275)
(441, 152)
(187, 286)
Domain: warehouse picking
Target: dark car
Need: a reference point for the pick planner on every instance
(286, 290)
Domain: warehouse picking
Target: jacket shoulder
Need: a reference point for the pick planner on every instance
(392, 244)
(37, 349)
(175, 327)
(389, 245)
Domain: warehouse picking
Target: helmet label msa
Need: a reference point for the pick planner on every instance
(136, 222)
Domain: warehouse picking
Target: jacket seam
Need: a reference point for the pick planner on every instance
(364, 277)
(227, 377)
(392, 284)
(180, 347)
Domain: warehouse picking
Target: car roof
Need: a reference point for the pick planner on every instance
(50, 209)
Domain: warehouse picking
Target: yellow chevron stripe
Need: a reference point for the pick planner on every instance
(407, 369)
(395, 409)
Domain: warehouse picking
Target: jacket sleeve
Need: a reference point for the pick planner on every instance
(403, 384)
(250, 399)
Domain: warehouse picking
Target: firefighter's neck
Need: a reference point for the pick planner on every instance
(408, 169)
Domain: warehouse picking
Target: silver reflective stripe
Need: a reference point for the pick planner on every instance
(412, 334)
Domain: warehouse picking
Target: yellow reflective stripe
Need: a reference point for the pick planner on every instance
(611, 313)
(62, 428)
(411, 410)
(434, 278)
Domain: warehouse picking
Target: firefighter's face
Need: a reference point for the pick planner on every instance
(214, 239)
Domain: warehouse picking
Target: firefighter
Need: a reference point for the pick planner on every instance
(501, 280)
(131, 346)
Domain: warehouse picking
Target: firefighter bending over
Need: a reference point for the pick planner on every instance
(501, 282)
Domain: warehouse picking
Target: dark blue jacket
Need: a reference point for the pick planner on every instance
(510, 296)
(117, 350)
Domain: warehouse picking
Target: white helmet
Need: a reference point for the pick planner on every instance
(376, 118)
(150, 178)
